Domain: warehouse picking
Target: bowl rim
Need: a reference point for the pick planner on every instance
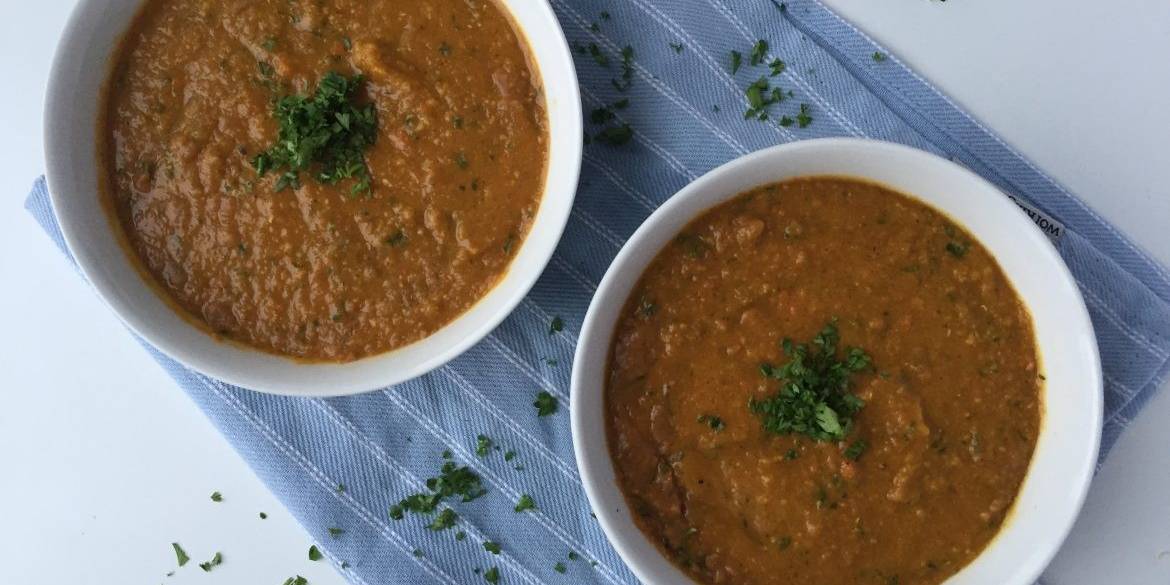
(61, 184)
(592, 454)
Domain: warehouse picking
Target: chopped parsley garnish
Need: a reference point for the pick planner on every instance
(759, 50)
(263, 516)
(736, 61)
(573, 555)
(315, 553)
(298, 580)
(785, 121)
(525, 503)
(510, 455)
(216, 497)
(335, 532)
(855, 450)
(803, 118)
(879, 56)
(678, 47)
(180, 554)
(557, 324)
(214, 562)
(814, 397)
(483, 444)
(325, 132)
(417, 552)
(712, 421)
(560, 568)
(545, 403)
(268, 44)
(791, 454)
(492, 575)
(460, 535)
(444, 520)
(492, 547)
(604, 15)
(446, 454)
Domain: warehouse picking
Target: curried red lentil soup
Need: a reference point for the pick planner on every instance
(822, 381)
(324, 179)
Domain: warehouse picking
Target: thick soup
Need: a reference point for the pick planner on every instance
(325, 179)
(822, 381)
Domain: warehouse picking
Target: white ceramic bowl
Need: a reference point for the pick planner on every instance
(72, 103)
(1066, 450)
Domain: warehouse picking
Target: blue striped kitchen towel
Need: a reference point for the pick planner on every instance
(686, 110)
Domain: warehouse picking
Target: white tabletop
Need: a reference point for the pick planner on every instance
(106, 462)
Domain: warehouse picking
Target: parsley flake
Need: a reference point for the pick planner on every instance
(545, 403)
(335, 532)
(492, 547)
(483, 444)
(560, 568)
(492, 575)
(525, 503)
(444, 520)
(678, 47)
(879, 56)
(777, 66)
(759, 51)
(615, 135)
(315, 553)
(180, 554)
(556, 325)
(803, 118)
(855, 450)
(598, 56)
(216, 497)
(214, 562)
(714, 422)
(736, 61)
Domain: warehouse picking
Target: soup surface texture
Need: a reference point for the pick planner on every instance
(344, 261)
(908, 469)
